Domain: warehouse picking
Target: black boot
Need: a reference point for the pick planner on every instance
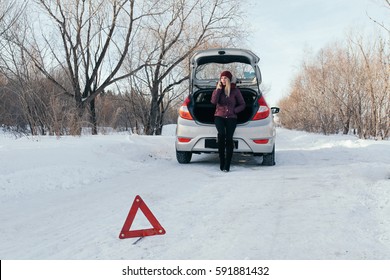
(222, 163)
(221, 152)
(229, 155)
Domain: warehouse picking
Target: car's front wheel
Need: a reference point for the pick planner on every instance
(269, 159)
(183, 157)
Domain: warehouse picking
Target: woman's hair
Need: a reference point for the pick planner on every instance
(228, 87)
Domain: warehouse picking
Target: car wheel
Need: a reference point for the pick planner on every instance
(183, 157)
(269, 159)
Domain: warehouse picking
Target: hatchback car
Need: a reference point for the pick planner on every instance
(196, 133)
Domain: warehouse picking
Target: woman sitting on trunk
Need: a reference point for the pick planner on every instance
(229, 102)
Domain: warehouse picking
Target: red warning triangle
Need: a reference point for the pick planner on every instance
(140, 204)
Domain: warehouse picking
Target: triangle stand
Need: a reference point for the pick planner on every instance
(140, 204)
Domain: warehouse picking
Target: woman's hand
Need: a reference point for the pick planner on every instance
(219, 85)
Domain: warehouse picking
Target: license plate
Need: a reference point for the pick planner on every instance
(212, 143)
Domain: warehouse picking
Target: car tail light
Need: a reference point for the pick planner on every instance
(183, 110)
(183, 139)
(263, 111)
(261, 141)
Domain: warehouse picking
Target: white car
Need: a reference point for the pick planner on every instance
(196, 132)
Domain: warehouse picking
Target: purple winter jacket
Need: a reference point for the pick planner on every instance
(228, 107)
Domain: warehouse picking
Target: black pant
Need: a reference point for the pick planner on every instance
(225, 128)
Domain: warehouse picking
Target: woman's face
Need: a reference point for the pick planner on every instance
(224, 80)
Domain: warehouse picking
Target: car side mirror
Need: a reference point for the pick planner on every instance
(275, 110)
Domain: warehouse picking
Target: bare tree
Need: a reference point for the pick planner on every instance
(10, 11)
(89, 41)
(89, 44)
(169, 38)
(343, 89)
(382, 24)
(34, 96)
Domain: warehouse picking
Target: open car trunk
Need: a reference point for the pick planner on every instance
(203, 110)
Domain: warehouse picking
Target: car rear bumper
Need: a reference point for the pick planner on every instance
(192, 136)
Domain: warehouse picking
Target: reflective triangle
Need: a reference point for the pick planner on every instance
(140, 204)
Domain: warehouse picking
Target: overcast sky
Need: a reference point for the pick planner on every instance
(283, 30)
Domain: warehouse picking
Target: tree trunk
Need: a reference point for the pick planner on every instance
(346, 126)
(76, 122)
(151, 125)
(93, 118)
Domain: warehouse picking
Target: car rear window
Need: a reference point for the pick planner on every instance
(211, 71)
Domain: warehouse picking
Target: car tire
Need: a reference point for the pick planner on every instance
(183, 157)
(269, 159)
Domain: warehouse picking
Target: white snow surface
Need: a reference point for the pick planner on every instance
(328, 197)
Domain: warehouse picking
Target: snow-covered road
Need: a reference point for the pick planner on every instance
(328, 197)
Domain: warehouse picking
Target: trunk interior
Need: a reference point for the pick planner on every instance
(203, 110)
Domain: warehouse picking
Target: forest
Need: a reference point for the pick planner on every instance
(70, 66)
